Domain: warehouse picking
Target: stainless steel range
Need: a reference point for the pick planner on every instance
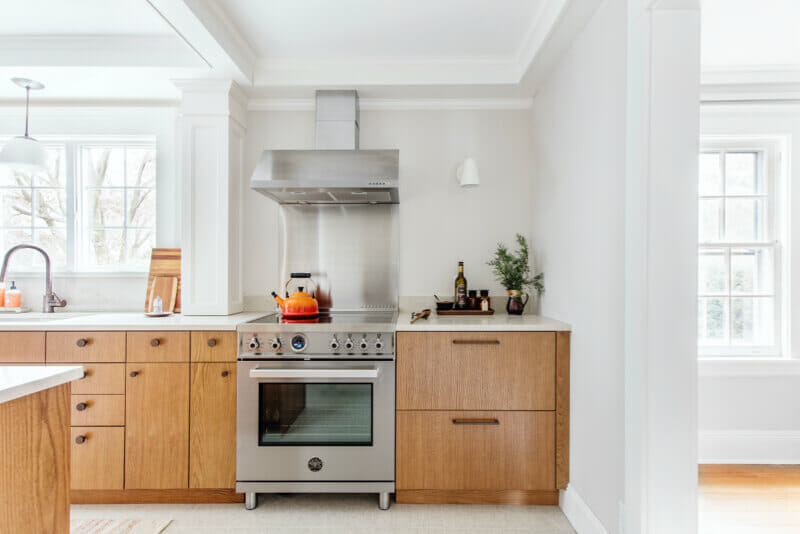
(315, 405)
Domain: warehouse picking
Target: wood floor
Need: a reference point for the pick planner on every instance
(749, 499)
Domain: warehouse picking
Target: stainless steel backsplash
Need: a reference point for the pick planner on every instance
(350, 251)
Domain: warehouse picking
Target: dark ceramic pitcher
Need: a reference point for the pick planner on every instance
(515, 304)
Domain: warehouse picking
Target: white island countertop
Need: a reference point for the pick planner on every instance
(69, 321)
(499, 322)
(20, 380)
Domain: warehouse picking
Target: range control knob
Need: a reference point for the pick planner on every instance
(334, 343)
(275, 343)
(379, 343)
(253, 343)
(363, 345)
(348, 344)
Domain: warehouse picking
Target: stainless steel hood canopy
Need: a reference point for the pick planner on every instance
(336, 172)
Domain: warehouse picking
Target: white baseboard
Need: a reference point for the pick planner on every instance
(578, 513)
(749, 447)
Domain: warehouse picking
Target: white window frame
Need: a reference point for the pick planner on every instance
(76, 223)
(771, 160)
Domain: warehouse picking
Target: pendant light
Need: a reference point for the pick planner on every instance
(24, 150)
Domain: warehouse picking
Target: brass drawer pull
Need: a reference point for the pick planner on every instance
(212, 342)
(225, 374)
(82, 342)
(476, 342)
(81, 406)
(476, 421)
(80, 440)
(155, 342)
(134, 374)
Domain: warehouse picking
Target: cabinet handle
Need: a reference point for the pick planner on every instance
(86, 374)
(224, 374)
(155, 342)
(212, 342)
(82, 342)
(476, 342)
(80, 406)
(476, 421)
(134, 374)
(80, 440)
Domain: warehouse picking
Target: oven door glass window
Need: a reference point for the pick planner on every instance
(314, 414)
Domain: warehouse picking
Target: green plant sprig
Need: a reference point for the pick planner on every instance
(512, 269)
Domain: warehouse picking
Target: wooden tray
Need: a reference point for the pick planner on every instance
(465, 312)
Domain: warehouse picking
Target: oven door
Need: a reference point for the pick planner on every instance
(315, 421)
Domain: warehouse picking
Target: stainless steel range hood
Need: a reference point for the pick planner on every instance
(336, 172)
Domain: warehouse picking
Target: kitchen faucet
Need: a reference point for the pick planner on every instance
(51, 300)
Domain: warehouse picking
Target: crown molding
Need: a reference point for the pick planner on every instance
(396, 104)
(750, 84)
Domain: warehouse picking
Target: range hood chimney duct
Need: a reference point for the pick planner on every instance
(337, 171)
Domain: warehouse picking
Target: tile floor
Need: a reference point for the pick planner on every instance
(294, 514)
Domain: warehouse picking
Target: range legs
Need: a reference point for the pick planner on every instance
(250, 500)
(383, 500)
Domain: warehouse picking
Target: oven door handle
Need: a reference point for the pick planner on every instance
(358, 373)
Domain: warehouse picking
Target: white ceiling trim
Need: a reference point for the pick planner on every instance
(750, 84)
(208, 30)
(538, 33)
(96, 51)
(754, 74)
(394, 104)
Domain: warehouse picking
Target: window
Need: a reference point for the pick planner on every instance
(93, 209)
(739, 253)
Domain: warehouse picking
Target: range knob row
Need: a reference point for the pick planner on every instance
(349, 344)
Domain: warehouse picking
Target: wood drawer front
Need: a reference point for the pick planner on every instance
(98, 462)
(214, 346)
(101, 379)
(518, 452)
(98, 410)
(22, 347)
(158, 347)
(85, 347)
(476, 371)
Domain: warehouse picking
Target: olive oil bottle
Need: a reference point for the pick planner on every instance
(461, 288)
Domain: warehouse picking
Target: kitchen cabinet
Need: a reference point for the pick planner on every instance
(158, 346)
(212, 438)
(214, 346)
(97, 458)
(482, 417)
(98, 410)
(101, 378)
(22, 347)
(85, 347)
(157, 426)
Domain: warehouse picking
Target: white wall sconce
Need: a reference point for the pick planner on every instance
(467, 174)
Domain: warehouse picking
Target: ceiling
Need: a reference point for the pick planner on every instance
(369, 29)
(284, 49)
(745, 36)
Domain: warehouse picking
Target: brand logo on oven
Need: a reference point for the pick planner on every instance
(315, 464)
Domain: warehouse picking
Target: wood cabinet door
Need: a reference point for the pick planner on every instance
(158, 346)
(476, 371)
(463, 450)
(85, 347)
(22, 347)
(157, 426)
(212, 424)
(214, 346)
(97, 461)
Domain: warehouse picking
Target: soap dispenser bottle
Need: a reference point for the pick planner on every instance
(13, 297)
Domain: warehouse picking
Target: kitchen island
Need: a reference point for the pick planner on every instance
(34, 447)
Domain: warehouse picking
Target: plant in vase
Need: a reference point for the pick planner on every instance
(513, 271)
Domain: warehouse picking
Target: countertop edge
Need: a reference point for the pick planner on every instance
(56, 376)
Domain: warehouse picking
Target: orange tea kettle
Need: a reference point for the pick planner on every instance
(299, 303)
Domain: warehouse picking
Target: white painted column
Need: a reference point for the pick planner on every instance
(661, 267)
(211, 130)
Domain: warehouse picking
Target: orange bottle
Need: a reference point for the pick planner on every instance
(2, 295)
(13, 298)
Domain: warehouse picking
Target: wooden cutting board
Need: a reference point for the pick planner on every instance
(164, 262)
(165, 287)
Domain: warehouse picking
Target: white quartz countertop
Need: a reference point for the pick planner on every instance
(499, 322)
(121, 321)
(20, 380)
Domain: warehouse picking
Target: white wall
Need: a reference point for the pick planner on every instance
(440, 223)
(578, 230)
(747, 417)
(104, 292)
